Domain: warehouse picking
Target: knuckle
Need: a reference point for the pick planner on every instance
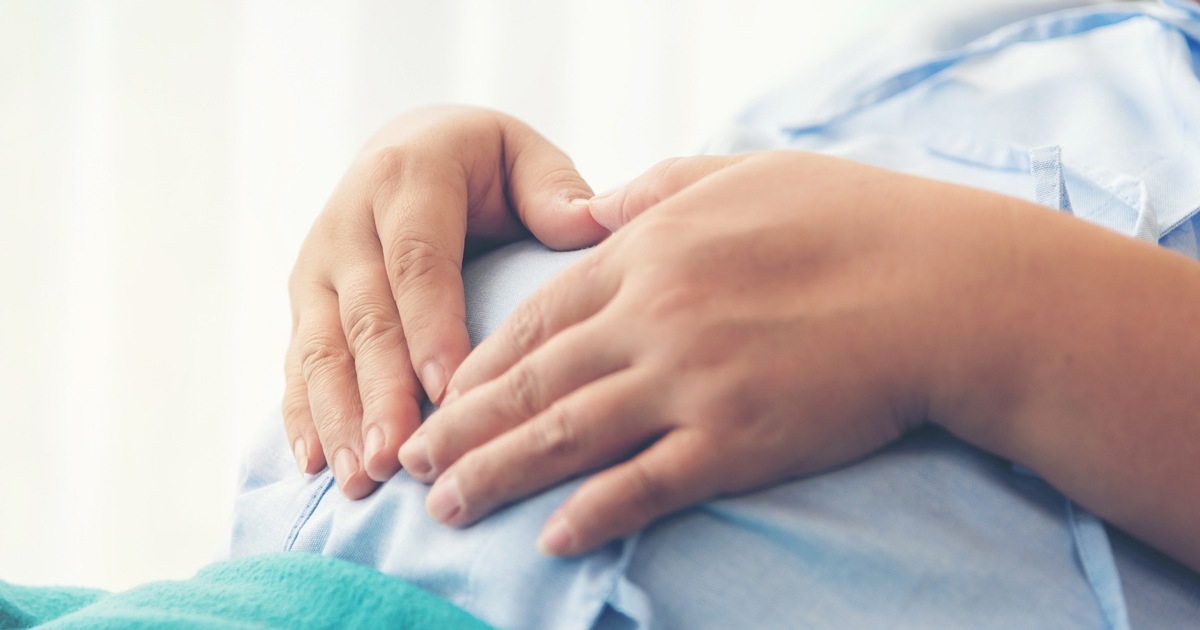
(591, 267)
(649, 493)
(334, 425)
(525, 392)
(554, 435)
(669, 308)
(369, 326)
(388, 164)
(527, 325)
(376, 392)
(412, 260)
(440, 450)
(670, 299)
(320, 355)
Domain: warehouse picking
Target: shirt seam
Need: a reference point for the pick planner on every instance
(306, 513)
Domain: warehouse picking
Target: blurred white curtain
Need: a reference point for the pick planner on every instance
(160, 164)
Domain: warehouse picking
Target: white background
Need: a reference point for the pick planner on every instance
(160, 163)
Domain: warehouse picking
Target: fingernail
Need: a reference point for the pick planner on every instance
(444, 501)
(607, 193)
(606, 216)
(580, 202)
(434, 378)
(414, 456)
(300, 450)
(556, 538)
(373, 443)
(344, 466)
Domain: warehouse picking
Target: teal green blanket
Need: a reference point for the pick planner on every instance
(283, 590)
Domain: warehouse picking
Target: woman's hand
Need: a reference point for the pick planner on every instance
(377, 297)
(770, 316)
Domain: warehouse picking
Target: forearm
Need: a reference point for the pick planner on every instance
(1094, 385)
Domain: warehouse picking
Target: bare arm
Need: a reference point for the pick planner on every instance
(1101, 353)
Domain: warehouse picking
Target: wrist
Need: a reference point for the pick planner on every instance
(1065, 347)
(1000, 303)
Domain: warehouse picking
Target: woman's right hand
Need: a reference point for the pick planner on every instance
(378, 316)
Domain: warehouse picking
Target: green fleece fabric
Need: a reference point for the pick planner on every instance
(282, 590)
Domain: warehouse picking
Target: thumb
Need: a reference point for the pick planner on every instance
(618, 207)
(548, 194)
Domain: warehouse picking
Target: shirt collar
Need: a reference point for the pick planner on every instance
(1040, 28)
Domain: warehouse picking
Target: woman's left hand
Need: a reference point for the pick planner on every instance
(767, 316)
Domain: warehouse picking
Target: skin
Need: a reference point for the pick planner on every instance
(754, 318)
(378, 317)
(769, 316)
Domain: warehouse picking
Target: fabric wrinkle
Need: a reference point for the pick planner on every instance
(929, 532)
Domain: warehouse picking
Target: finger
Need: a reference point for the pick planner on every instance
(297, 416)
(387, 387)
(547, 192)
(661, 181)
(677, 471)
(576, 293)
(328, 370)
(578, 356)
(591, 427)
(421, 214)
(421, 221)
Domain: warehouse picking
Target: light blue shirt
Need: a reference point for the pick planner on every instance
(1093, 110)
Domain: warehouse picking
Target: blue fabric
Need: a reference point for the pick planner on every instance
(1049, 181)
(292, 590)
(1092, 109)
(1095, 557)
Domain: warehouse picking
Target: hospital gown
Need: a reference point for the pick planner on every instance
(1088, 109)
